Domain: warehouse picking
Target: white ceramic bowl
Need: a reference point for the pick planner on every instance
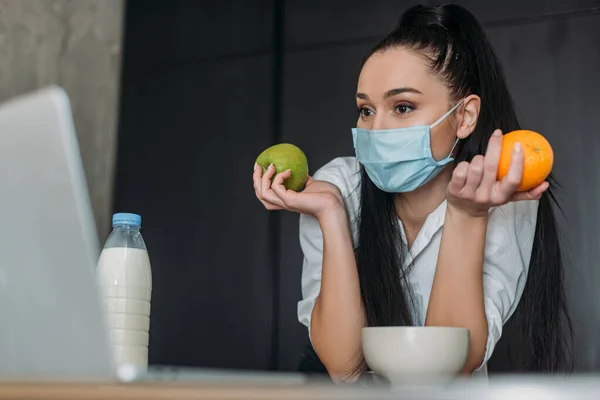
(415, 355)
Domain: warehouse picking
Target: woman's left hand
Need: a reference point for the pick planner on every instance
(474, 188)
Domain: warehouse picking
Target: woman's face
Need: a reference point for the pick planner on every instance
(397, 89)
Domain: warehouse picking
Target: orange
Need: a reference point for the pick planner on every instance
(537, 154)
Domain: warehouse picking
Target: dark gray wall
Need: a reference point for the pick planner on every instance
(207, 86)
(196, 109)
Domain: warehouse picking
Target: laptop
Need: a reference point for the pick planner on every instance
(51, 318)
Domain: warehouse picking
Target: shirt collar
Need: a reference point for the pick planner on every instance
(432, 225)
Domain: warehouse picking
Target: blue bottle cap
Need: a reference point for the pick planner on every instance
(127, 219)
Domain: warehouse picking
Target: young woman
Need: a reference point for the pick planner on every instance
(416, 230)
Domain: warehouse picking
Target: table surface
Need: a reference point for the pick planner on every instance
(67, 391)
(179, 390)
(580, 387)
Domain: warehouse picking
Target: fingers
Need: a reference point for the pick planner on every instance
(256, 179)
(490, 163)
(268, 194)
(279, 179)
(509, 184)
(533, 194)
(459, 178)
(263, 191)
(266, 178)
(474, 185)
(474, 176)
(538, 191)
(286, 196)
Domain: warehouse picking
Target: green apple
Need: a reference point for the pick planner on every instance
(286, 156)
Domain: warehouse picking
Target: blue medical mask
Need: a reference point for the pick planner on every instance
(400, 160)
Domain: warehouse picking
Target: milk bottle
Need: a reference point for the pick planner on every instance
(125, 281)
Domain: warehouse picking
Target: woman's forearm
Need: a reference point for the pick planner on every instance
(457, 293)
(338, 317)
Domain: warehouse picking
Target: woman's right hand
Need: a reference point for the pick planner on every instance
(317, 198)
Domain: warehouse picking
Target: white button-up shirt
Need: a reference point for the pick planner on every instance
(509, 242)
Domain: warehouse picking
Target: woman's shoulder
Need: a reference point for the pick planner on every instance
(344, 172)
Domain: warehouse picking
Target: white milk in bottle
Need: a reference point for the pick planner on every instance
(125, 281)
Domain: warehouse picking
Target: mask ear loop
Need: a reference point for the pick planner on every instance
(443, 117)
(453, 147)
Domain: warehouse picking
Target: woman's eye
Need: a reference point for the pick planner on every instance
(365, 112)
(403, 108)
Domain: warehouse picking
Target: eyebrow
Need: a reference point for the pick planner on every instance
(390, 93)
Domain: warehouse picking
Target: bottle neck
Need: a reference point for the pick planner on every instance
(125, 227)
(125, 235)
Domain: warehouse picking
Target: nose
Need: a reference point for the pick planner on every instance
(380, 122)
